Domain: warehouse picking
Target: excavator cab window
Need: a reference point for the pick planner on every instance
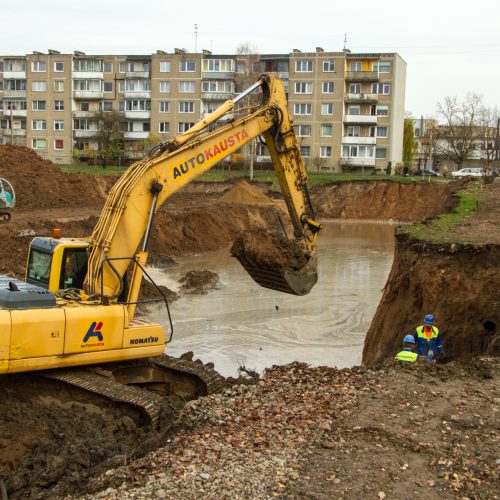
(39, 268)
(74, 268)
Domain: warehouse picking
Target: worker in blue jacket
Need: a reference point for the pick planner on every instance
(428, 340)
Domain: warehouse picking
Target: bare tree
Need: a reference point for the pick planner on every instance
(427, 143)
(488, 135)
(458, 136)
(110, 135)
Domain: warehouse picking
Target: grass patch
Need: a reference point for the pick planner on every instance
(440, 229)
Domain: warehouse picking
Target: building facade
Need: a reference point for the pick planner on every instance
(347, 108)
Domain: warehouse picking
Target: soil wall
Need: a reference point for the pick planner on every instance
(459, 284)
(384, 200)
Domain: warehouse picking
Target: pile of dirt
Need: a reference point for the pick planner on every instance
(269, 251)
(244, 194)
(38, 183)
(199, 281)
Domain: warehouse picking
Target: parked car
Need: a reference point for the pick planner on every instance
(427, 171)
(469, 172)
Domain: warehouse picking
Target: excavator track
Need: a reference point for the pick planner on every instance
(128, 382)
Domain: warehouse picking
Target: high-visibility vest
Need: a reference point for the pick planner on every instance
(421, 333)
(406, 356)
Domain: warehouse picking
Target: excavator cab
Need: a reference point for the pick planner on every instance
(57, 263)
(7, 199)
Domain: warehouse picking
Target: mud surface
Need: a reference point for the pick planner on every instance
(329, 425)
(199, 281)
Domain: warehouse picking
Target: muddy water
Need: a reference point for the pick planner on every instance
(244, 324)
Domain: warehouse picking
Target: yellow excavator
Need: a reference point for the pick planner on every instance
(74, 315)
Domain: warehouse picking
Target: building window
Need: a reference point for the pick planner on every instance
(164, 107)
(108, 67)
(59, 106)
(218, 65)
(108, 86)
(87, 65)
(327, 108)
(187, 87)
(146, 127)
(38, 124)
(303, 130)
(185, 126)
(328, 87)
(355, 88)
(354, 110)
(38, 66)
(302, 109)
(358, 151)
(325, 152)
(217, 86)
(164, 66)
(187, 66)
(58, 86)
(355, 66)
(382, 66)
(353, 131)
(107, 106)
(84, 106)
(380, 153)
(381, 131)
(87, 85)
(39, 143)
(326, 130)
(164, 127)
(164, 86)
(59, 144)
(38, 86)
(305, 151)
(303, 88)
(381, 88)
(329, 65)
(39, 105)
(186, 107)
(58, 66)
(382, 110)
(137, 105)
(303, 66)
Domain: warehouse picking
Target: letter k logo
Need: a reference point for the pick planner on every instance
(94, 331)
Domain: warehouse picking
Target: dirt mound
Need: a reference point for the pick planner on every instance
(199, 281)
(40, 184)
(244, 194)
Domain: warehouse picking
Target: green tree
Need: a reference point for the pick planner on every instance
(409, 145)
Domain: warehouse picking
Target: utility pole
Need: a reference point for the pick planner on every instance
(195, 38)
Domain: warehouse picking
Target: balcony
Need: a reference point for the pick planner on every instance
(15, 132)
(138, 94)
(360, 119)
(362, 76)
(15, 113)
(137, 74)
(88, 75)
(216, 96)
(14, 75)
(14, 94)
(138, 115)
(136, 135)
(368, 98)
(354, 161)
(85, 114)
(359, 140)
(88, 94)
(218, 75)
(85, 134)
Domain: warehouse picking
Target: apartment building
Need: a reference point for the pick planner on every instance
(347, 108)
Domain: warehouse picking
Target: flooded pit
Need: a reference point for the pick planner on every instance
(244, 324)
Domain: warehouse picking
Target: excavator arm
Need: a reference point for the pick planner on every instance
(127, 216)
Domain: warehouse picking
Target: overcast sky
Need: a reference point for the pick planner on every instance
(451, 47)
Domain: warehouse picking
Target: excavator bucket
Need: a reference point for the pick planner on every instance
(276, 263)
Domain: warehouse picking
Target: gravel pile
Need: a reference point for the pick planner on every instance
(245, 443)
